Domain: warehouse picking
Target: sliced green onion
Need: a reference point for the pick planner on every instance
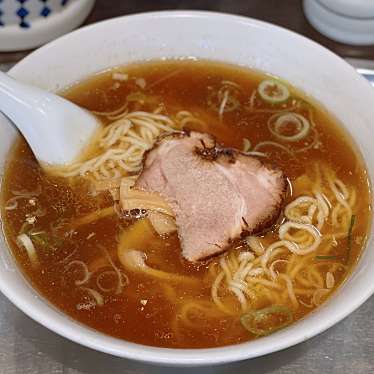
(251, 320)
(273, 91)
(46, 241)
(41, 239)
(349, 237)
(279, 120)
(25, 228)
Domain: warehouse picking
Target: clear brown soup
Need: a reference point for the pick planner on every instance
(150, 310)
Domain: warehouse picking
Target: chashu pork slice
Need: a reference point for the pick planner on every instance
(217, 194)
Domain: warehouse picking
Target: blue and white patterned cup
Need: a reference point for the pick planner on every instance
(24, 12)
(29, 23)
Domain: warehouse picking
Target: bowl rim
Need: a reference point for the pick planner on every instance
(177, 356)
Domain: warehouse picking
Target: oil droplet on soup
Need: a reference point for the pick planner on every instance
(114, 271)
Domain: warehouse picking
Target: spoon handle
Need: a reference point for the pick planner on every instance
(56, 129)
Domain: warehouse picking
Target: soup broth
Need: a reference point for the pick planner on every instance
(77, 230)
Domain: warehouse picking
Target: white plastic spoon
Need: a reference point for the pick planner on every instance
(56, 129)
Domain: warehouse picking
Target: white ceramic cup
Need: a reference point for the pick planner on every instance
(27, 24)
(346, 21)
(228, 38)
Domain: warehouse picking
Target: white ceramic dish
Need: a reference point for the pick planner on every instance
(30, 23)
(346, 21)
(219, 37)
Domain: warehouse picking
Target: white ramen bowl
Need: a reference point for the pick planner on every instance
(227, 38)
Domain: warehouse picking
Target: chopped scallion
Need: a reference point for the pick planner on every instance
(273, 92)
(46, 241)
(255, 321)
(349, 237)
